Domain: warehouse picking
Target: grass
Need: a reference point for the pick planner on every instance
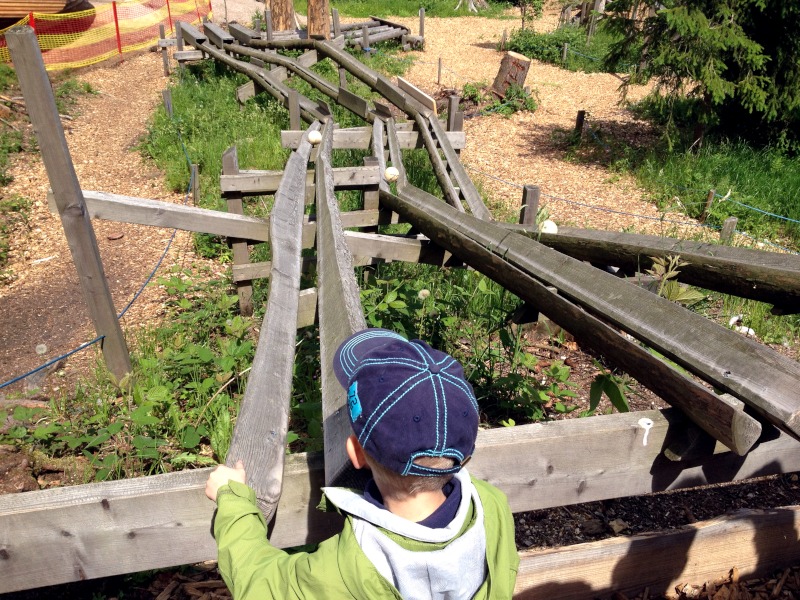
(402, 8)
(549, 47)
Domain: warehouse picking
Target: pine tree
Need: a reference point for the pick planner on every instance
(738, 59)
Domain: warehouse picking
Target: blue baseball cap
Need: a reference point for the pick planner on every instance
(407, 400)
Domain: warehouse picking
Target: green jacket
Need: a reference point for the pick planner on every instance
(254, 569)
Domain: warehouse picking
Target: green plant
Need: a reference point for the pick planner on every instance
(665, 270)
(613, 386)
(14, 212)
(516, 99)
(474, 92)
(68, 91)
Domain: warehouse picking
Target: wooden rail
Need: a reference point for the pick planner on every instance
(764, 276)
(259, 438)
(340, 312)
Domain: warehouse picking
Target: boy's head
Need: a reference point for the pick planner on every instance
(408, 403)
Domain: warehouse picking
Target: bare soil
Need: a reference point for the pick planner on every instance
(42, 304)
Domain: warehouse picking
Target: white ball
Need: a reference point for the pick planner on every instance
(549, 226)
(391, 174)
(315, 137)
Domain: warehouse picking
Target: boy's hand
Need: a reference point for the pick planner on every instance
(221, 476)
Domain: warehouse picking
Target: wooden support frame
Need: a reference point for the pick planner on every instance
(455, 231)
(103, 529)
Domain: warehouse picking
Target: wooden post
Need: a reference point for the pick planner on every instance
(343, 78)
(78, 230)
(164, 50)
(365, 38)
(504, 40)
(564, 53)
(454, 123)
(579, 120)
(195, 185)
(257, 27)
(728, 229)
(167, 96)
(294, 110)
(179, 41)
(422, 24)
(268, 22)
(241, 255)
(709, 201)
(439, 73)
(530, 205)
(337, 28)
(371, 194)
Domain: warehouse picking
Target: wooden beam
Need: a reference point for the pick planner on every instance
(455, 231)
(41, 107)
(451, 194)
(756, 542)
(416, 93)
(256, 183)
(340, 312)
(144, 211)
(259, 438)
(68, 534)
(217, 35)
(757, 274)
(468, 189)
(360, 137)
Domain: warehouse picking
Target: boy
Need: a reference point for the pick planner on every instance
(423, 528)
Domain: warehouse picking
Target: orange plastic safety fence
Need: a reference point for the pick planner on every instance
(83, 38)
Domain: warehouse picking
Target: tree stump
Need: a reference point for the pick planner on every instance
(513, 70)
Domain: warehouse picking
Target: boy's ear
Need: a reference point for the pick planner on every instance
(356, 453)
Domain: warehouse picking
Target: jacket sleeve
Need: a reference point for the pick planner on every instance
(251, 567)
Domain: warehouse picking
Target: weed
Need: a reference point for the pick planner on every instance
(13, 213)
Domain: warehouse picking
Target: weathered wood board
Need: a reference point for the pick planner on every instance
(259, 438)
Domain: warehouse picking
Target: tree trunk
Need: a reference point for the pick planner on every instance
(319, 22)
(513, 70)
(282, 15)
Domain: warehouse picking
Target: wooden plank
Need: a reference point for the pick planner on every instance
(186, 55)
(143, 211)
(307, 308)
(41, 107)
(451, 195)
(243, 34)
(82, 532)
(383, 21)
(68, 534)
(360, 138)
(308, 59)
(416, 93)
(455, 232)
(259, 438)
(757, 274)
(191, 35)
(241, 254)
(761, 377)
(217, 35)
(254, 182)
(756, 542)
(355, 104)
(340, 312)
(462, 180)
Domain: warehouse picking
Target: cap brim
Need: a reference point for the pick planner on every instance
(350, 353)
